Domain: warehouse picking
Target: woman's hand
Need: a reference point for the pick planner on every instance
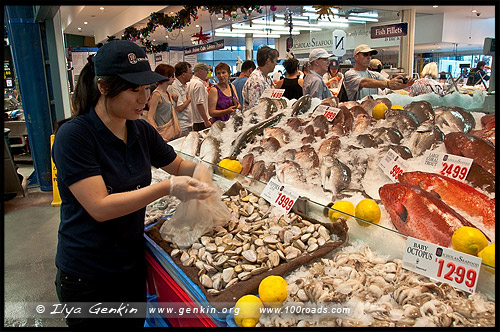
(186, 188)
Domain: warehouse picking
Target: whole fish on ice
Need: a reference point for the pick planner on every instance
(420, 214)
(454, 193)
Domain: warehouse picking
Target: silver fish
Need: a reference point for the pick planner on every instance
(453, 119)
(216, 128)
(248, 135)
(404, 121)
(289, 172)
(335, 175)
(279, 103)
(278, 133)
(368, 140)
(302, 105)
(422, 110)
(388, 134)
(209, 150)
(425, 137)
(190, 144)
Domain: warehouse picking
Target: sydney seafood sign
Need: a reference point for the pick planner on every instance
(216, 45)
(392, 30)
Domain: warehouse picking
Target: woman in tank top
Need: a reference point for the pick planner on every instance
(291, 83)
(222, 98)
(161, 109)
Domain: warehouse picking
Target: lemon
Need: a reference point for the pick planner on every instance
(397, 107)
(488, 256)
(232, 165)
(272, 291)
(378, 111)
(469, 240)
(247, 311)
(367, 210)
(344, 206)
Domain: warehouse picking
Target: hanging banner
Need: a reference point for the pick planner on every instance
(338, 38)
(216, 45)
(391, 30)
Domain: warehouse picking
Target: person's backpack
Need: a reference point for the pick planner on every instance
(342, 93)
(472, 79)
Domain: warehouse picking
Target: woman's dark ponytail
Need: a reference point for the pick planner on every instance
(86, 93)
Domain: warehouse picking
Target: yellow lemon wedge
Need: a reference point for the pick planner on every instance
(378, 111)
(272, 291)
(488, 256)
(344, 206)
(232, 165)
(397, 107)
(247, 311)
(469, 240)
(367, 210)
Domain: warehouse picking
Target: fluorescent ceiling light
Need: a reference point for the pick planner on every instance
(294, 17)
(258, 35)
(229, 34)
(334, 24)
(361, 19)
(369, 14)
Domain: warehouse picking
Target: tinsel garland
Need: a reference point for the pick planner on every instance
(178, 21)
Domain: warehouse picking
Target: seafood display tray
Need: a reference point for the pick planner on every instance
(227, 296)
(378, 236)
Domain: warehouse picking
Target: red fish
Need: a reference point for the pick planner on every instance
(482, 152)
(454, 193)
(420, 214)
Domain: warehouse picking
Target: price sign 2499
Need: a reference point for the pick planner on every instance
(454, 170)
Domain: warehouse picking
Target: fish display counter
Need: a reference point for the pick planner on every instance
(325, 159)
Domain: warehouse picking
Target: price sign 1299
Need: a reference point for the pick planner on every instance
(461, 273)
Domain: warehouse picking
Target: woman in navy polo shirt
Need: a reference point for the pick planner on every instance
(103, 157)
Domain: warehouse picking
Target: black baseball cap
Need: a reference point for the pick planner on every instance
(334, 64)
(127, 60)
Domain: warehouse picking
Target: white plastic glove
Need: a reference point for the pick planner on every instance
(186, 188)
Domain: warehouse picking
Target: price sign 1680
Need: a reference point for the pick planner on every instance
(454, 170)
(284, 201)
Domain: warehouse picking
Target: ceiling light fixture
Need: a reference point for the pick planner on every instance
(85, 22)
(102, 8)
(435, 6)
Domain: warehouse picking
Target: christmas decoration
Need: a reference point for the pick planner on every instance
(200, 37)
(325, 11)
(180, 20)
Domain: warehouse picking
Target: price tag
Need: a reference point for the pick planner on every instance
(278, 195)
(455, 167)
(273, 93)
(392, 165)
(328, 111)
(442, 264)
